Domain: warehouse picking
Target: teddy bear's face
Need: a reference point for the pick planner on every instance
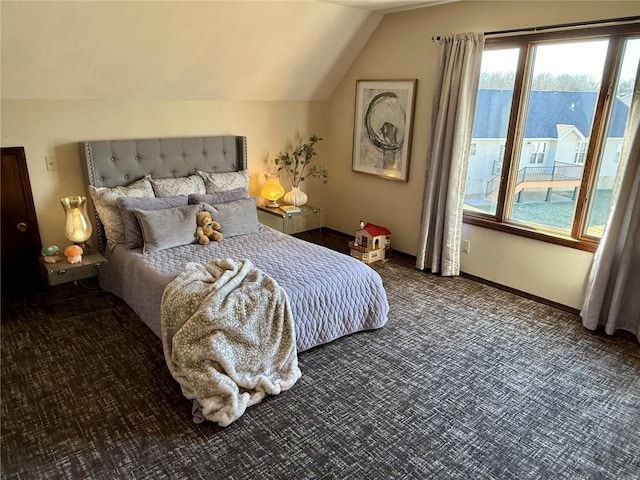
(203, 218)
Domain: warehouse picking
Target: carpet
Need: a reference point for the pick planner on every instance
(464, 382)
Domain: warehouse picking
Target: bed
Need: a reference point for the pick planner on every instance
(331, 294)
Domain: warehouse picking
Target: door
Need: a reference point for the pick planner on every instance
(20, 235)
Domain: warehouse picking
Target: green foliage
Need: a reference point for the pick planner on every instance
(296, 163)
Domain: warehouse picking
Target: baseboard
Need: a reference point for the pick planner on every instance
(520, 293)
(515, 291)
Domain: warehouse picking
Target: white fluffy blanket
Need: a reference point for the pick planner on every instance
(228, 337)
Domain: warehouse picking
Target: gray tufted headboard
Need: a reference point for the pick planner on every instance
(112, 163)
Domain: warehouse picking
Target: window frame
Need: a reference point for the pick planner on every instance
(500, 221)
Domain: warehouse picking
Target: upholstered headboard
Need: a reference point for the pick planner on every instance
(112, 163)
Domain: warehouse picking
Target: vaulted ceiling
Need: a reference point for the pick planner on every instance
(183, 50)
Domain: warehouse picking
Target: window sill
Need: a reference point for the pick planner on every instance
(586, 244)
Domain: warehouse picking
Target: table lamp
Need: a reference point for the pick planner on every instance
(272, 190)
(77, 227)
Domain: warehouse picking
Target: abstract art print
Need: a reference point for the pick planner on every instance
(382, 130)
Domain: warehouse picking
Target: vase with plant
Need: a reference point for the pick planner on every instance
(297, 165)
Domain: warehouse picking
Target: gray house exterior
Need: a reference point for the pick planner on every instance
(554, 145)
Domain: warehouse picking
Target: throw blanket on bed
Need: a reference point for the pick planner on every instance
(228, 337)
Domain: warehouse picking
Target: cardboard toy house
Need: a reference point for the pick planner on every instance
(372, 243)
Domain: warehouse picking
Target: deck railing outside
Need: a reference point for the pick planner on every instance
(558, 172)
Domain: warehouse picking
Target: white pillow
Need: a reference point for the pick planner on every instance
(219, 182)
(175, 187)
(105, 201)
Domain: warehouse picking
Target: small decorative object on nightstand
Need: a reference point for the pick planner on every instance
(50, 254)
(372, 243)
(296, 164)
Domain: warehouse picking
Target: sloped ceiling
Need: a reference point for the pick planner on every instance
(160, 50)
(261, 50)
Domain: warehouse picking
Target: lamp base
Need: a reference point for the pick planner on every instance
(272, 204)
(86, 248)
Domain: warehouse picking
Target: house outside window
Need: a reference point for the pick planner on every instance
(545, 98)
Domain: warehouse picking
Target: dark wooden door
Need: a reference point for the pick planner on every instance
(20, 235)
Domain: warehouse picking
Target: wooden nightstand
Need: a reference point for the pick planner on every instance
(308, 218)
(63, 271)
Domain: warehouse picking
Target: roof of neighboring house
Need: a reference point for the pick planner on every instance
(547, 109)
(375, 230)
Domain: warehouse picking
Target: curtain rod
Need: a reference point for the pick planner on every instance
(436, 38)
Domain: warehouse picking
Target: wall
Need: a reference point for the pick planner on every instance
(54, 127)
(401, 48)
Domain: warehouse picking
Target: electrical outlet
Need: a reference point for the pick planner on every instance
(466, 246)
(52, 164)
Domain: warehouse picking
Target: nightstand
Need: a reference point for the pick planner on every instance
(63, 271)
(308, 218)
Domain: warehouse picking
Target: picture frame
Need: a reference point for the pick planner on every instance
(383, 124)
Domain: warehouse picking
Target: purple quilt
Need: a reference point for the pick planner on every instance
(331, 294)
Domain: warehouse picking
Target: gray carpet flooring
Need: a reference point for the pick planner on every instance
(464, 382)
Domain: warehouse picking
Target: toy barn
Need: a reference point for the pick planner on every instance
(372, 243)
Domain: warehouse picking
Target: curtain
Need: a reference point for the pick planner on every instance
(612, 298)
(453, 112)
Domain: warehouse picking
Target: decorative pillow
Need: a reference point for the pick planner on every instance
(218, 182)
(132, 232)
(235, 218)
(169, 227)
(105, 202)
(172, 187)
(219, 197)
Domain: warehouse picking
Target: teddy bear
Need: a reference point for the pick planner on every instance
(207, 229)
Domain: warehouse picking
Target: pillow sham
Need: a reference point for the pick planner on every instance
(169, 227)
(235, 218)
(105, 203)
(173, 187)
(219, 197)
(218, 182)
(132, 231)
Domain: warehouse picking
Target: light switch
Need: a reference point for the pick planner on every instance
(51, 162)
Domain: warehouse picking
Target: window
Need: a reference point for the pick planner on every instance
(580, 153)
(537, 150)
(473, 149)
(551, 114)
(618, 152)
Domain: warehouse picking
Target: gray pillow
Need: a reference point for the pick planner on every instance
(219, 197)
(132, 232)
(169, 227)
(235, 218)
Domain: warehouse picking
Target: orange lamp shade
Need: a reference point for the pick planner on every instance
(272, 190)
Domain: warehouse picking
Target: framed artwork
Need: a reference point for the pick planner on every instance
(382, 130)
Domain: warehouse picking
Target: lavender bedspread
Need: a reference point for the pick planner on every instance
(331, 294)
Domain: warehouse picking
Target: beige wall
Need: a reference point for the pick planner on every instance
(401, 48)
(54, 127)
